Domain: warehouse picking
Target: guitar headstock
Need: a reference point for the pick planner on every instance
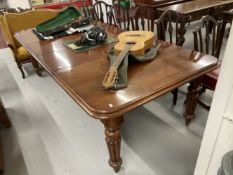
(110, 78)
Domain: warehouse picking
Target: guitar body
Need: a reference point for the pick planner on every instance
(143, 41)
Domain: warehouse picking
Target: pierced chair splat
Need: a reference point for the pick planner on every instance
(171, 24)
(101, 11)
(210, 44)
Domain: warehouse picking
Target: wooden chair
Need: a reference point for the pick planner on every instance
(85, 8)
(14, 22)
(145, 18)
(171, 25)
(140, 17)
(122, 16)
(226, 17)
(101, 11)
(209, 44)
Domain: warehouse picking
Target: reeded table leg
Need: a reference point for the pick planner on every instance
(113, 140)
(194, 90)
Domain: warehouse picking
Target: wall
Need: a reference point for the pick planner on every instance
(217, 139)
(18, 3)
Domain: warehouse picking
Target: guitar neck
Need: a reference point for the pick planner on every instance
(122, 55)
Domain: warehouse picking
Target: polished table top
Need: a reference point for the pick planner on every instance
(196, 5)
(81, 74)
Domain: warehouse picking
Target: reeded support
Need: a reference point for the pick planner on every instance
(113, 140)
(194, 90)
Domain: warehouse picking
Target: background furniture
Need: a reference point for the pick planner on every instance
(159, 3)
(207, 38)
(226, 17)
(25, 20)
(198, 8)
(128, 18)
(170, 24)
(140, 17)
(101, 11)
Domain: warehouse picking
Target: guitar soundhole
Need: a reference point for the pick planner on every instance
(131, 42)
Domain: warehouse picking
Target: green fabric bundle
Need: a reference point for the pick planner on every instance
(122, 80)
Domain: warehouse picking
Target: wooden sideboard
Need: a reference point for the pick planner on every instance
(159, 3)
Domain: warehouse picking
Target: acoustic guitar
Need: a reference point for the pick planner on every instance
(135, 42)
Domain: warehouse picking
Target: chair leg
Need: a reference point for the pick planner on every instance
(203, 90)
(205, 106)
(21, 69)
(175, 94)
(36, 66)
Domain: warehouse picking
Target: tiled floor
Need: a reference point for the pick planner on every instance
(52, 135)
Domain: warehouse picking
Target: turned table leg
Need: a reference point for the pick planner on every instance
(194, 90)
(113, 140)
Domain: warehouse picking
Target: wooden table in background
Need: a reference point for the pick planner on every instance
(81, 75)
(198, 8)
(159, 3)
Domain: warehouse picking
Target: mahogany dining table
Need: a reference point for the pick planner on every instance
(81, 75)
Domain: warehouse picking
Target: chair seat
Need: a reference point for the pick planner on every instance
(22, 54)
(210, 79)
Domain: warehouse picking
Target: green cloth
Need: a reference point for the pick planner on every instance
(124, 4)
(75, 48)
(122, 80)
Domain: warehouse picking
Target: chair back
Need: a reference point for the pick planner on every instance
(101, 11)
(85, 8)
(15, 22)
(140, 17)
(144, 18)
(207, 36)
(6, 31)
(172, 23)
(123, 15)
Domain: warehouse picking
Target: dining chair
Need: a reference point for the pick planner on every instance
(123, 16)
(85, 8)
(139, 17)
(15, 22)
(101, 11)
(144, 18)
(171, 27)
(226, 17)
(208, 41)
